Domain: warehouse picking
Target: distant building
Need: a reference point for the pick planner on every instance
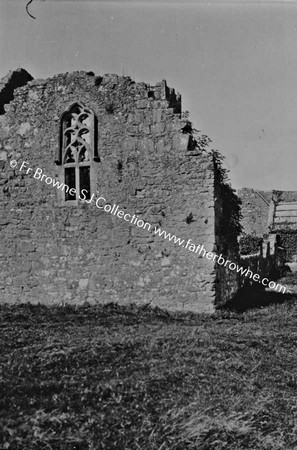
(271, 213)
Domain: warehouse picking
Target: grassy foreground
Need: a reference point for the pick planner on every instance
(111, 377)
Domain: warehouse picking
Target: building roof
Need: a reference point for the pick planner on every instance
(285, 215)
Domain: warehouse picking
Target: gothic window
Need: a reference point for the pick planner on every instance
(77, 151)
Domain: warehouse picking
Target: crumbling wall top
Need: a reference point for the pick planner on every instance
(11, 81)
(108, 82)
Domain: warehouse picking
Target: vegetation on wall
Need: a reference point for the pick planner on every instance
(230, 226)
(249, 244)
(197, 140)
(288, 240)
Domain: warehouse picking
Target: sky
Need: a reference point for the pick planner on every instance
(234, 64)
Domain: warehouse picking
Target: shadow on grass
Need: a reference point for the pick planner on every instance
(249, 298)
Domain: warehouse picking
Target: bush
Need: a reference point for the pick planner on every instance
(288, 240)
(249, 244)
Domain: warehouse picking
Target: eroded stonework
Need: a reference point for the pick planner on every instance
(56, 251)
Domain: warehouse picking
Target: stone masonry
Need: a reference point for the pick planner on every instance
(255, 208)
(54, 251)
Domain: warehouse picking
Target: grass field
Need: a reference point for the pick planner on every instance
(111, 377)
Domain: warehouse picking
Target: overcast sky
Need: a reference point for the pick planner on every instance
(235, 64)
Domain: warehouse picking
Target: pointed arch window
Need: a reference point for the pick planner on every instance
(77, 150)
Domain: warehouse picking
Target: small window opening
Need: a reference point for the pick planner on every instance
(77, 151)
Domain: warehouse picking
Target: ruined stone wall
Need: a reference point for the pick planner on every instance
(55, 253)
(288, 240)
(9, 83)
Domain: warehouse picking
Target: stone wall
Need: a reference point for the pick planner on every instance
(52, 252)
(9, 83)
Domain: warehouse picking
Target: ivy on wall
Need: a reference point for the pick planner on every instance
(229, 226)
(249, 244)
